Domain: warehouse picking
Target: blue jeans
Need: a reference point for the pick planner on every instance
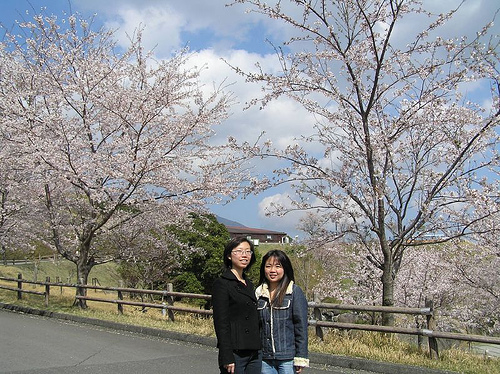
(246, 362)
(277, 367)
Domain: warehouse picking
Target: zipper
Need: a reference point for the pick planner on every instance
(272, 329)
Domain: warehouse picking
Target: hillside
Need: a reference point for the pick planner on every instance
(63, 270)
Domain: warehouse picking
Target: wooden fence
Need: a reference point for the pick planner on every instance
(168, 296)
(21, 261)
(20, 290)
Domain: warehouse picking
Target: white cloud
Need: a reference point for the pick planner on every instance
(282, 121)
(168, 21)
(162, 27)
(288, 222)
(469, 17)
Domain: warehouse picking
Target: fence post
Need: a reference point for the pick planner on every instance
(82, 292)
(420, 340)
(318, 316)
(47, 291)
(170, 301)
(79, 292)
(58, 280)
(35, 272)
(19, 286)
(431, 325)
(120, 305)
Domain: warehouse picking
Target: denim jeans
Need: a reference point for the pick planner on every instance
(277, 367)
(246, 362)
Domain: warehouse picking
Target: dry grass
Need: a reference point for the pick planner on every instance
(62, 301)
(388, 348)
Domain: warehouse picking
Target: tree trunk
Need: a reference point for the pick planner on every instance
(4, 254)
(388, 271)
(83, 267)
(388, 292)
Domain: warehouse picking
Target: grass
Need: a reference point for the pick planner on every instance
(369, 345)
(106, 274)
(388, 348)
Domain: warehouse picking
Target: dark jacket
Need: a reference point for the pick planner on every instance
(236, 319)
(284, 327)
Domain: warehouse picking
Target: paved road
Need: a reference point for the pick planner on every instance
(38, 345)
(492, 350)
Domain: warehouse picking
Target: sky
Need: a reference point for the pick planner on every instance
(216, 32)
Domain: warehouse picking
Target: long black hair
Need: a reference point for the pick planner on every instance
(232, 244)
(288, 276)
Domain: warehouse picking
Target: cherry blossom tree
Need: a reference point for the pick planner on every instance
(15, 210)
(407, 124)
(118, 143)
(474, 267)
(11, 205)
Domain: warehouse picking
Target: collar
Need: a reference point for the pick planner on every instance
(228, 274)
(263, 290)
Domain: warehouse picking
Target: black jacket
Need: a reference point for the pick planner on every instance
(236, 319)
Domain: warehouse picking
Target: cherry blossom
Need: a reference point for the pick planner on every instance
(402, 153)
(116, 144)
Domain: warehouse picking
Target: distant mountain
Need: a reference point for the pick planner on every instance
(228, 222)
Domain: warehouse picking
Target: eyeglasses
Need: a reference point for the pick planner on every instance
(240, 252)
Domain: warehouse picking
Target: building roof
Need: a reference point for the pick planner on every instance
(250, 230)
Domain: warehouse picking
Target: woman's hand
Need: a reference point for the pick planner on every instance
(230, 368)
(298, 369)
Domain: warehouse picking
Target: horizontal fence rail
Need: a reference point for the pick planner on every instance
(147, 305)
(21, 261)
(409, 331)
(372, 308)
(167, 306)
(20, 289)
(144, 291)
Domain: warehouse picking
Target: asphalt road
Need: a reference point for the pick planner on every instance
(33, 344)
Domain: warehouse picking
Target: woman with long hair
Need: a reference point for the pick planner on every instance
(282, 309)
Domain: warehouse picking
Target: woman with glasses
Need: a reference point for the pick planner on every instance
(235, 312)
(282, 310)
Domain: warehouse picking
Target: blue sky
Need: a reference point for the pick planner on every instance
(215, 31)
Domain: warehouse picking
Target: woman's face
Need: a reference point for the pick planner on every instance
(273, 270)
(241, 256)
